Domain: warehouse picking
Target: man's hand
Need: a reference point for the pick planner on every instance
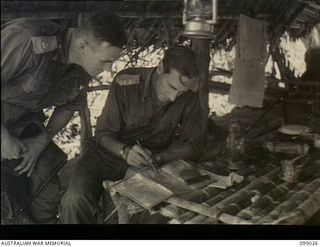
(138, 156)
(34, 147)
(11, 147)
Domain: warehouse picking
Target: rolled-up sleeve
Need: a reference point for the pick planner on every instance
(17, 58)
(77, 104)
(73, 85)
(110, 120)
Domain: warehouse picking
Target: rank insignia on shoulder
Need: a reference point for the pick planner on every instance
(128, 79)
(43, 44)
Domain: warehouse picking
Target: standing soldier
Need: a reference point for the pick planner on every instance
(42, 66)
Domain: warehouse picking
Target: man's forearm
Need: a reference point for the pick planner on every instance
(4, 132)
(58, 120)
(110, 142)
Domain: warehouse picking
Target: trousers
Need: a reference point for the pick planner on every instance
(42, 187)
(80, 203)
(19, 190)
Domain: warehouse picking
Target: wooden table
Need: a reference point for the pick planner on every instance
(262, 198)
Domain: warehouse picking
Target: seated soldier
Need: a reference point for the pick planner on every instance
(151, 114)
(43, 66)
(312, 59)
(307, 113)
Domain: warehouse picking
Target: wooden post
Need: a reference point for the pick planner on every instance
(202, 49)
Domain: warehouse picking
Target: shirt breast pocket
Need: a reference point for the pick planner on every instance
(167, 125)
(136, 119)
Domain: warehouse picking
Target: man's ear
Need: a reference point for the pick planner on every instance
(80, 44)
(160, 68)
(192, 83)
(104, 44)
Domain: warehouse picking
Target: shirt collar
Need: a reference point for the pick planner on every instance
(65, 46)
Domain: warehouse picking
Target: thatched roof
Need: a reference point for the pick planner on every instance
(160, 22)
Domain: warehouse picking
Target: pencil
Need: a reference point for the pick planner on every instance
(152, 164)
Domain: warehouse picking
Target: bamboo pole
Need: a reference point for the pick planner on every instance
(289, 205)
(264, 201)
(217, 196)
(234, 197)
(265, 211)
(170, 211)
(192, 206)
(302, 213)
(231, 219)
(122, 207)
(182, 218)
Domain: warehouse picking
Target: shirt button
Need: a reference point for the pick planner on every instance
(44, 45)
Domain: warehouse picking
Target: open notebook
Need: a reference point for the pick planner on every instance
(148, 187)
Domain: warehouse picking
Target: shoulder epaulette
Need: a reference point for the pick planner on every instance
(44, 44)
(128, 79)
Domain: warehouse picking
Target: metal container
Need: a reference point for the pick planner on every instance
(286, 147)
(291, 170)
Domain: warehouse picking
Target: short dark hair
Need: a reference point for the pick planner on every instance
(182, 59)
(104, 26)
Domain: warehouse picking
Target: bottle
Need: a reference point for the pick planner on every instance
(235, 141)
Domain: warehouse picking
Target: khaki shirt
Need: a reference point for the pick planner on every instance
(133, 113)
(34, 75)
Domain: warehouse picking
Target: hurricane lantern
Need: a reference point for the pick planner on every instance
(199, 16)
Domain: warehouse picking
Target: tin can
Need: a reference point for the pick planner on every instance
(291, 169)
(286, 147)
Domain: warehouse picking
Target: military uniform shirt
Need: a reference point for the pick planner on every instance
(133, 113)
(34, 75)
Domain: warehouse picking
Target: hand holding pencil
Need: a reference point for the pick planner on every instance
(138, 156)
(152, 162)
